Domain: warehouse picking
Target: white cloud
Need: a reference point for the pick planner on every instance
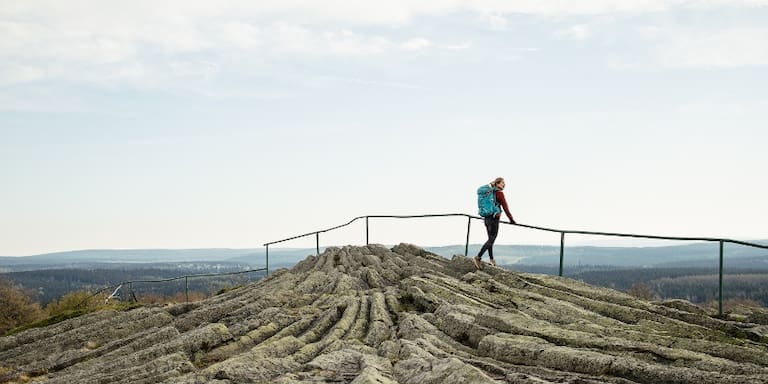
(241, 34)
(375, 83)
(457, 47)
(14, 73)
(290, 38)
(724, 108)
(113, 41)
(40, 99)
(418, 44)
(727, 48)
(702, 47)
(496, 21)
(194, 68)
(348, 43)
(576, 32)
(148, 54)
(649, 31)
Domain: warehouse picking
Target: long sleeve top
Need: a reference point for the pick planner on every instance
(503, 202)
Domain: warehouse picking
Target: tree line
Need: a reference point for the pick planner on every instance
(697, 285)
(37, 298)
(47, 285)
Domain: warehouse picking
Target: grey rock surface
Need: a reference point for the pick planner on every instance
(402, 315)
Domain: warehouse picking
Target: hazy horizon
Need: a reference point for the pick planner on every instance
(617, 243)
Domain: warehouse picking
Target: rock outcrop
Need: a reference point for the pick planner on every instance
(403, 315)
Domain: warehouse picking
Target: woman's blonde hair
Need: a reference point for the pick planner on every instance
(496, 181)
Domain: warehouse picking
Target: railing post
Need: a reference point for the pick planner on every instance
(317, 242)
(720, 301)
(133, 295)
(562, 247)
(366, 231)
(186, 287)
(466, 247)
(267, 259)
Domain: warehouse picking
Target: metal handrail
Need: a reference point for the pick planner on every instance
(562, 233)
(129, 283)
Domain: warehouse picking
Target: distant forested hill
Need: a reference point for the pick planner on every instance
(128, 256)
(698, 285)
(702, 254)
(118, 258)
(50, 284)
(695, 254)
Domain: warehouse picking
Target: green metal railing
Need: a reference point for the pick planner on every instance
(560, 231)
(132, 296)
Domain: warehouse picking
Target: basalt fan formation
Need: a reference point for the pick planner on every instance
(401, 315)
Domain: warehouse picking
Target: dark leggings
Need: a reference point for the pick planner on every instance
(492, 226)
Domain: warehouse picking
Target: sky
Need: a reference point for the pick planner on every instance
(229, 124)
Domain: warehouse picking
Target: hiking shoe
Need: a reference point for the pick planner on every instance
(478, 263)
(493, 262)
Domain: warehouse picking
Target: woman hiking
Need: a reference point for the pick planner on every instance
(490, 200)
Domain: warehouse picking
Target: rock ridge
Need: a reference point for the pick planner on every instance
(373, 314)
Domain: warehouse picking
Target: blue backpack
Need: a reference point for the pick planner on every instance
(486, 201)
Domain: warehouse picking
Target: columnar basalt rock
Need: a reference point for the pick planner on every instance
(402, 315)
